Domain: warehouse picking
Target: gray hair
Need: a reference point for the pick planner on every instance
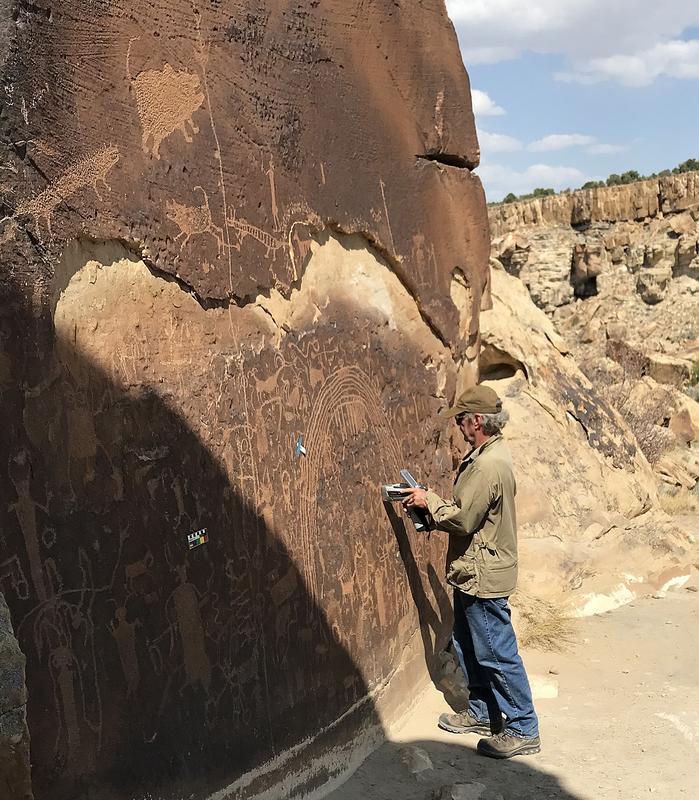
(493, 423)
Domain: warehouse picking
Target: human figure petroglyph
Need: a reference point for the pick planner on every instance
(64, 668)
(139, 578)
(124, 633)
(166, 101)
(194, 220)
(11, 571)
(190, 626)
(19, 470)
(58, 623)
(83, 174)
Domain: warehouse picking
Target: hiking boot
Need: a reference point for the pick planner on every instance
(505, 745)
(464, 723)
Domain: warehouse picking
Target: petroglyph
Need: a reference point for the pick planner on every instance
(194, 220)
(12, 572)
(386, 215)
(273, 193)
(244, 228)
(19, 469)
(124, 634)
(87, 172)
(166, 100)
(186, 603)
(347, 405)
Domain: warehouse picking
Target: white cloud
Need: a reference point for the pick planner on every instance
(484, 105)
(488, 55)
(561, 141)
(499, 180)
(606, 149)
(498, 143)
(673, 59)
(633, 41)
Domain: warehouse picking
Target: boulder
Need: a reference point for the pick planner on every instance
(15, 766)
(672, 370)
(590, 259)
(652, 282)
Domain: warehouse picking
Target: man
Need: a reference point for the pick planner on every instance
(482, 568)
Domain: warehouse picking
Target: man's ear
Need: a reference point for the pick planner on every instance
(478, 421)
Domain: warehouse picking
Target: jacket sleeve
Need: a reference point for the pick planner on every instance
(464, 515)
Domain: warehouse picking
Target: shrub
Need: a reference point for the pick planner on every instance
(542, 624)
(630, 176)
(690, 165)
(681, 502)
(694, 374)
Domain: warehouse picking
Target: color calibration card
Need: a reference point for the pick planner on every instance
(197, 538)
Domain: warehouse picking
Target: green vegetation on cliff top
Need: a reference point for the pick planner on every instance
(690, 165)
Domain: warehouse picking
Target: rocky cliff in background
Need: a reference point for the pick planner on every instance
(233, 234)
(617, 270)
(560, 245)
(591, 534)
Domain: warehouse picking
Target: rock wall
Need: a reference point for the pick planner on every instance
(231, 233)
(561, 245)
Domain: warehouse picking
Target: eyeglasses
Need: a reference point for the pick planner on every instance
(459, 418)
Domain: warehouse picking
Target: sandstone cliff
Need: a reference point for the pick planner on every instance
(228, 229)
(617, 270)
(561, 245)
(629, 203)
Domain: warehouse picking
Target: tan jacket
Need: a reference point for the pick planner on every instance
(481, 522)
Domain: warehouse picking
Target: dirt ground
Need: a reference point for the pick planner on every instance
(624, 723)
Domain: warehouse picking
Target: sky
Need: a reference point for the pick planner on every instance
(567, 91)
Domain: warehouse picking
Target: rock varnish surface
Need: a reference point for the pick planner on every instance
(226, 226)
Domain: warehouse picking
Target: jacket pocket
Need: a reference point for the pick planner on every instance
(465, 574)
(500, 580)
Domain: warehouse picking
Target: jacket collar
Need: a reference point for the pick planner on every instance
(471, 456)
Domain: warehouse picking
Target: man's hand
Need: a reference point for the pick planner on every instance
(415, 498)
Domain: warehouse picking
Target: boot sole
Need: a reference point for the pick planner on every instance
(451, 729)
(522, 751)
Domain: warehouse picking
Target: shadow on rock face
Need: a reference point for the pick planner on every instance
(154, 669)
(434, 622)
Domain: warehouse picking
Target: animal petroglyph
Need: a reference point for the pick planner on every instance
(85, 173)
(166, 100)
(244, 228)
(194, 220)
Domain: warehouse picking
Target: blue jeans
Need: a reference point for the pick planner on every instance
(486, 646)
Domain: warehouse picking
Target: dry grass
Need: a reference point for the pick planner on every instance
(542, 624)
(679, 503)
